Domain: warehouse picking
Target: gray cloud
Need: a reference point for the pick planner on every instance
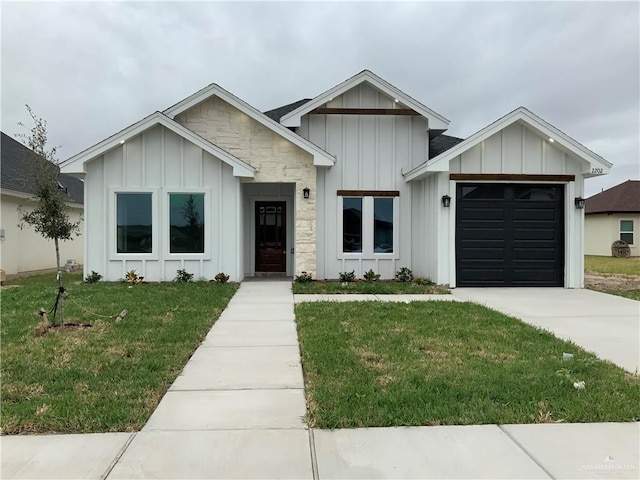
(92, 69)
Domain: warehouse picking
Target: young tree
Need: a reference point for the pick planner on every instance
(50, 216)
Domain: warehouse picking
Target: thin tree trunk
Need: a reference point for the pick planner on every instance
(59, 270)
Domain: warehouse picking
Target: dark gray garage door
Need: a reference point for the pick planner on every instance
(509, 235)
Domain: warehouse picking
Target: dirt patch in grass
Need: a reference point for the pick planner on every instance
(601, 281)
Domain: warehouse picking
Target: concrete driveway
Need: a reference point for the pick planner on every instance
(604, 324)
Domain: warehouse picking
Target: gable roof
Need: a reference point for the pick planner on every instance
(435, 120)
(277, 113)
(525, 117)
(623, 198)
(14, 158)
(76, 163)
(320, 157)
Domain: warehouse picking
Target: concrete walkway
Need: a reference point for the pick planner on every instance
(237, 410)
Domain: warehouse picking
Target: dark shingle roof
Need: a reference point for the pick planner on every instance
(277, 113)
(623, 198)
(441, 144)
(13, 158)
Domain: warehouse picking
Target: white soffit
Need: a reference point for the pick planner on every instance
(595, 163)
(435, 120)
(320, 157)
(75, 164)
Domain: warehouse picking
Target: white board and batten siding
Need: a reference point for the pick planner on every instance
(161, 162)
(514, 150)
(371, 151)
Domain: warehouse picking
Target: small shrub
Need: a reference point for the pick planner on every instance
(221, 277)
(422, 281)
(347, 276)
(404, 275)
(132, 277)
(93, 278)
(182, 276)
(371, 276)
(304, 277)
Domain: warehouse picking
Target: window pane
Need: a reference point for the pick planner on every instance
(134, 232)
(626, 225)
(627, 237)
(383, 225)
(186, 217)
(535, 192)
(483, 192)
(352, 225)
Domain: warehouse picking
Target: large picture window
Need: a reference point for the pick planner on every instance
(369, 221)
(352, 225)
(186, 217)
(626, 231)
(134, 223)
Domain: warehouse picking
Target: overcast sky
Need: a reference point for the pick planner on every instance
(91, 69)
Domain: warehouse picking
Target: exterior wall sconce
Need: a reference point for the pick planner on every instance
(579, 202)
(306, 192)
(446, 201)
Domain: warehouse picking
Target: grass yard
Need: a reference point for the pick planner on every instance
(449, 363)
(379, 287)
(616, 276)
(109, 377)
(612, 265)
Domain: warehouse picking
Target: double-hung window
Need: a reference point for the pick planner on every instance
(626, 231)
(368, 222)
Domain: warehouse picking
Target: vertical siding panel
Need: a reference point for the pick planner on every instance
(350, 164)
(172, 158)
(317, 129)
(368, 151)
(386, 158)
(512, 138)
(95, 235)
(114, 163)
(419, 141)
(492, 154)
(471, 162)
(133, 162)
(192, 164)
(533, 153)
(555, 159)
(153, 157)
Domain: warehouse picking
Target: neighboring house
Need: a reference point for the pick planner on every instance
(24, 250)
(353, 179)
(611, 215)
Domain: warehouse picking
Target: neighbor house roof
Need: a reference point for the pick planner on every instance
(436, 121)
(623, 198)
(594, 164)
(14, 157)
(320, 157)
(76, 163)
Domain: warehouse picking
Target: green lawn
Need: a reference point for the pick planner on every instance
(612, 265)
(111, 376)
(380, 287)
(448, 363)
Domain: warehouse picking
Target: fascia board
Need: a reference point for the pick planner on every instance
(320, 157)
(75, 164)
(436, 121)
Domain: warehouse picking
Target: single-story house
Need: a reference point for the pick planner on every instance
(24, 250)
(611, 215)
(360, 177)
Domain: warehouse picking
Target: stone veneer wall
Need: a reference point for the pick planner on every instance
(276, 160)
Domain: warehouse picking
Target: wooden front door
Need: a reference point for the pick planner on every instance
(271, 237)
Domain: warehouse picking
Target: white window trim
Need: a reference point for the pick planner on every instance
(113, 230)
(632, 231)
(368, 229)
(208, 238)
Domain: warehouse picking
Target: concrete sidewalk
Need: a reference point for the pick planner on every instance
(236, 411)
